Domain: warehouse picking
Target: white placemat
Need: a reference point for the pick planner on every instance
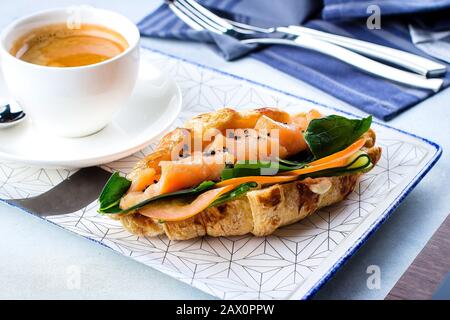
(292, 263)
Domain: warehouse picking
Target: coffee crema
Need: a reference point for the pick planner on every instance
(57, 45)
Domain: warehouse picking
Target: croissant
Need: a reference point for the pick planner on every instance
(259, 211)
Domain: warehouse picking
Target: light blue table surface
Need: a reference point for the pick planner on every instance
(37, 258)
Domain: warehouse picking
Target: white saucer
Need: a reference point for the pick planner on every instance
(154, 106)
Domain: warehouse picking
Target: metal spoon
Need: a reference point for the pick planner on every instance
(8, 118)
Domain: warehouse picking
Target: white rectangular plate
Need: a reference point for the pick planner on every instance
(293, 262)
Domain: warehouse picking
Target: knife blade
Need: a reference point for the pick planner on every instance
(73, 194)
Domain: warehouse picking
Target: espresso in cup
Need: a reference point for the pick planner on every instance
(57, 45)
(70, 81)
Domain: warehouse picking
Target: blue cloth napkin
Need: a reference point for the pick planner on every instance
(376, 96)
(345, 9)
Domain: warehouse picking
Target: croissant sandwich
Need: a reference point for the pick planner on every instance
(229, 173)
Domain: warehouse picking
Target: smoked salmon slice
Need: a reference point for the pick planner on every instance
(175, 175)
(244, 144)
(261, 142)
(173, 210)
(302, 120)
(339, 159)
(188, 172)
(289, 135)
(140, 182)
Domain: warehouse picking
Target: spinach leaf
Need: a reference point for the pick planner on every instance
(235, 193)
(361, 163)
(259, 168)
(334, 133)
(295, 164)
(244, 169)
(324, 136)
(112, 192)
(185, 192)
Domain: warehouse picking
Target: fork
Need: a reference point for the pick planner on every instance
(200, 18)
(412, 62)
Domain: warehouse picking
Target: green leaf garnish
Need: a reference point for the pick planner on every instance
(296, 164)
(235, 193)
(259, 168)
(245, 169)
(112, 192)
(334, 133)
(361, 163)
(324, 136)
(205, 185)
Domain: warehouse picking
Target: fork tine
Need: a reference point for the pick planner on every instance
(186, 19)
(192, 7)
(223, 25)
(187, 15)
(243, 27)
(208, 14)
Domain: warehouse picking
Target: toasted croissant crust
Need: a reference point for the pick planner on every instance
(231, 119)
(260, 211)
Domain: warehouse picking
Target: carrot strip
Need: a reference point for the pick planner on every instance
(350, 150)
(336, 160)
(257, 179)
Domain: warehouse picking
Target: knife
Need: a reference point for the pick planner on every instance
(73, 194)
(361, 62)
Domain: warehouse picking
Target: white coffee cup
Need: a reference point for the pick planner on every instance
(72, 101)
